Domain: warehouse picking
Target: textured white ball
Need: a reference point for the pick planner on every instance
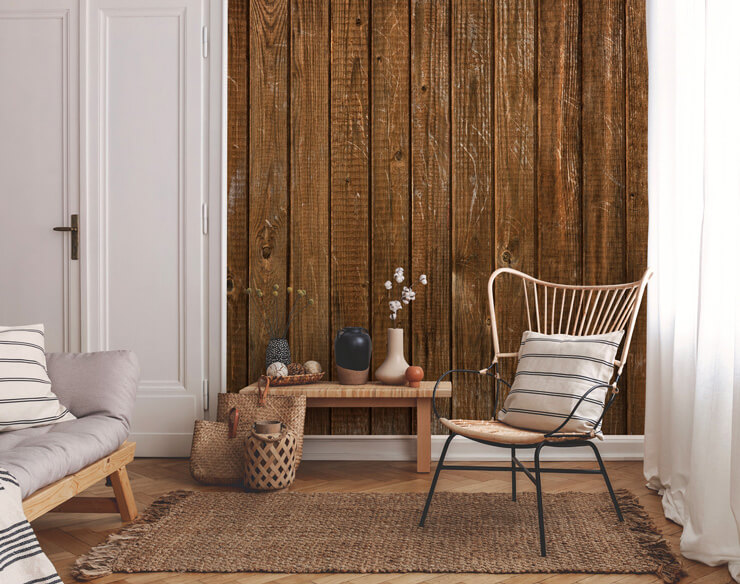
(277, 369)
(312, 367)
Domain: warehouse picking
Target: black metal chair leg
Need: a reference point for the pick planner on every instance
(434, 480)
(513, 475)
(540, 513)
(606, 480)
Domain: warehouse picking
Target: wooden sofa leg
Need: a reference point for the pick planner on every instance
(124, 494)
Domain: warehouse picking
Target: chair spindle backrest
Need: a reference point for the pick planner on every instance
(574, 310)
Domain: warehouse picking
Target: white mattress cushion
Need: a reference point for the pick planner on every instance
(26, 398)
(40, 456)
(553, 373)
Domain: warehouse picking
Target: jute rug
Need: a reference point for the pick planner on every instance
(212, 531)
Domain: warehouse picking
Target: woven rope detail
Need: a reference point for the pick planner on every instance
(270, 460)
(289, 409)
(215, 459)
(495, 431)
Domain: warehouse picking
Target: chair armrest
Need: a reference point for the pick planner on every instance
(446, 373)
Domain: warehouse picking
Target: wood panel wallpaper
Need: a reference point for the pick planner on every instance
(450, 137)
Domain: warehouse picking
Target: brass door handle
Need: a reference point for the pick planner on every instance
(74, 229)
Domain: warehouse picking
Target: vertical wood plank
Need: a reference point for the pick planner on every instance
(268, 158)
(560, 251)
(350, 151)
(515, 162)
(637, 202)
(390, 165)
(309, 188)
(430, 190)
(472, 203)
(237, 246)
(604, 156)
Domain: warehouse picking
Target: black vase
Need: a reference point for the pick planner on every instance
(277, 350)
(353, 349)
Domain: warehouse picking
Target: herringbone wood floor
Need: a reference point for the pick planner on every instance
(66, 536)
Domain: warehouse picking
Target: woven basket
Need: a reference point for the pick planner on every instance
(301, 379)
(216, 454)
(258, 405)
(270, 460)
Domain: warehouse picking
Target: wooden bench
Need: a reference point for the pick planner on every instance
(330, 394)
(61, 495)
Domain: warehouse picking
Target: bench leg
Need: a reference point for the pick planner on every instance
(423, 434)
(124, 494)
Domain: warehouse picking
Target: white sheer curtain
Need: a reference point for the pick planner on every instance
(692, 428)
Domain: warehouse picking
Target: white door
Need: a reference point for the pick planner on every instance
(39, 162)
(147, 158)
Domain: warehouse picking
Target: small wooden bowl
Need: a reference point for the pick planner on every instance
(296, 379)
(267, 427)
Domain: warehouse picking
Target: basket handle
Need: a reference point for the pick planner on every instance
(233, 422)
(262, 393)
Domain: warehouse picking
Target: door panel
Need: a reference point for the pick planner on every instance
(39, 158)
(147, 270)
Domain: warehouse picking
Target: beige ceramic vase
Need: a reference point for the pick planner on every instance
(393, 369)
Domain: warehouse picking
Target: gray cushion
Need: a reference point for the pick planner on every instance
(95, 383)
(98, 388)
(39, 456)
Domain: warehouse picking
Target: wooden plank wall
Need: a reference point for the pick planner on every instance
(450, 137)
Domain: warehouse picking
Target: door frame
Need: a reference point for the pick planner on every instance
(215, 98)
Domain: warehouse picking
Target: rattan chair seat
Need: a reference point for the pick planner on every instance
(494, 431)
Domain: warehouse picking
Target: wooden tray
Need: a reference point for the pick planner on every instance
(296, 379)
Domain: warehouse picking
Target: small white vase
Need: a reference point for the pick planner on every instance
(393, 369)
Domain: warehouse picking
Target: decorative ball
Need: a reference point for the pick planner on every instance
(414, 375)
(277, 369)
(295, 369)
(312, 367)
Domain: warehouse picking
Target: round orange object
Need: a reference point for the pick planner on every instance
(414, 375)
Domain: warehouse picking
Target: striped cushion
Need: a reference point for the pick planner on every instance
(26, 398)
(554, 371)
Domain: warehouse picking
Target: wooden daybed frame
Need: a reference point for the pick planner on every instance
(62, 495)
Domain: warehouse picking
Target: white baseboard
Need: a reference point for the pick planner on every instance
(614, 447)
(169, 445)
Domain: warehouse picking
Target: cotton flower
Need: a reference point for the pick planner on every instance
(395, 306)
(423, 279)
(398, 275)
(388, 284)
(407, 295)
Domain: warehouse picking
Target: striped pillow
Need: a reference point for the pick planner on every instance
(26, 398)
(553, 372)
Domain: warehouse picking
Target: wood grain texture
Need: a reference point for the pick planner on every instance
(447, 136)
(636, 201)
(237, 208)
(350, 195)
(268, 165)
(390, 166)
(604, 155)
(515, 163)
(472, 203)
(431, 190)
(53, 495)
(310, 335)
(559, 167)
(373, 390)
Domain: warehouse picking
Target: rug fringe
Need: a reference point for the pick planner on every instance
(101, 559)
(640, 523)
